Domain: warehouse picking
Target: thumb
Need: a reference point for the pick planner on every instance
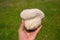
(38, 29)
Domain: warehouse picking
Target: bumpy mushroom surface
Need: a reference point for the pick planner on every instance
(32, 18)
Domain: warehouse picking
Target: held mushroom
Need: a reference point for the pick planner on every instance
(32, 17)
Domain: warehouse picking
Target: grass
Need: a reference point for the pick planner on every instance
(10, 18)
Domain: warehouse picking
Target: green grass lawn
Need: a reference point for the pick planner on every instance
(10, 18)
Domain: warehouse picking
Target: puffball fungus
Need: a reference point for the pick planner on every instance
(32, 17)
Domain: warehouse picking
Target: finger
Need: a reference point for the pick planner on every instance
(22, 25)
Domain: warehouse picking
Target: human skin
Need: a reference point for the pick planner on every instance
(27, 35)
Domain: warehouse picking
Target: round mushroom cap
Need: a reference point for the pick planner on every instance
(31, 13)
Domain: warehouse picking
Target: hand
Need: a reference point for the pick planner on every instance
(25, 35)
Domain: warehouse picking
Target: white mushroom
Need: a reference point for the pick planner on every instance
(32, 18)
